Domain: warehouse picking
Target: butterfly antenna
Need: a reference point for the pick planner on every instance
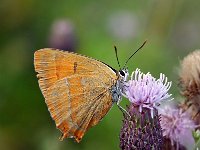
(117, 56)
(135, 53)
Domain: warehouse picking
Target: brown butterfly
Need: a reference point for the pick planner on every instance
(78, 90)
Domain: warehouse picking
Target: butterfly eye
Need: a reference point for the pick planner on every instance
(122, 73)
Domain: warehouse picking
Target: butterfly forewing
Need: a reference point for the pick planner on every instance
(76, 89)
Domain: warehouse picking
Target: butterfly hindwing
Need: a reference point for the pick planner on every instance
(76, 109)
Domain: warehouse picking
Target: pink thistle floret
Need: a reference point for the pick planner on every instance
(145, 91)
(177, 126)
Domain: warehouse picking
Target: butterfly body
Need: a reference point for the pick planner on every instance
(78, 90)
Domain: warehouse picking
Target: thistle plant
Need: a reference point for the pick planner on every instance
(177, 127)
(190, 84)
(142, 130)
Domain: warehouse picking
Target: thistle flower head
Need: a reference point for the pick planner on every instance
(190, 84)
(145, 91)
(189, 74)
(177, 126)
(143, 130)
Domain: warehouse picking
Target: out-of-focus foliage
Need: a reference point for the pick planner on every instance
(171, 27)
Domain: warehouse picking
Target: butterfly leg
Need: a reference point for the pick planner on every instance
(116, 91)
(123, 110)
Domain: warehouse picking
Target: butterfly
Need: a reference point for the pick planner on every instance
(78, 90)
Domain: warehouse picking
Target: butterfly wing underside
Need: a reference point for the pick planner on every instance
(76, 89)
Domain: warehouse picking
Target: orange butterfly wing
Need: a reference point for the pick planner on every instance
(76, 89)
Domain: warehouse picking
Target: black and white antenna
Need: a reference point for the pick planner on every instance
(134, 53)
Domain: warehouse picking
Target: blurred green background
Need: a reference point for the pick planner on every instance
(89, 27)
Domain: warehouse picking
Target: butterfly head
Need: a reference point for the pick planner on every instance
(123, 74)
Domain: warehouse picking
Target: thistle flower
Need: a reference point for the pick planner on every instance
(177, 126)
(189, 74)
(143, 130)
(190, 84)
(63, 36)
(145, 91)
